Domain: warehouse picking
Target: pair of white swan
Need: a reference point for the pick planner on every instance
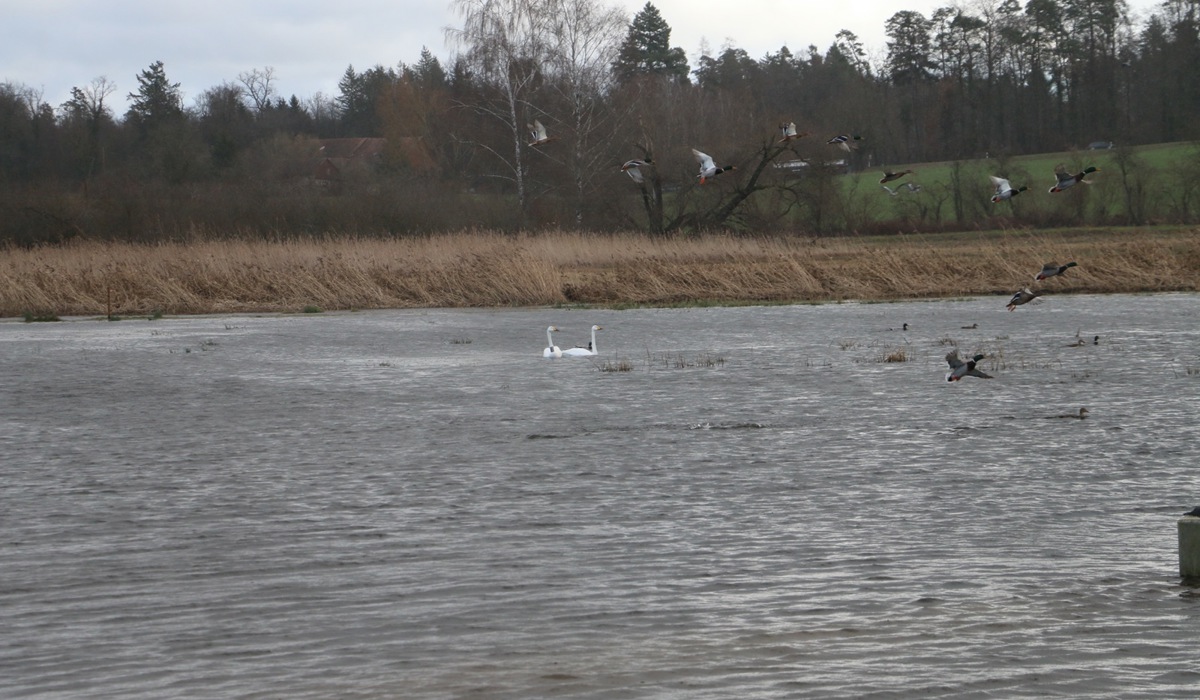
(553, 352)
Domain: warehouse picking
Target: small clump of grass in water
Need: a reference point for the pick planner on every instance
(619, 365)
(31, 317)
(460, 341)
(680, 361)
(155, 315)
(313, 309)
(897, 355)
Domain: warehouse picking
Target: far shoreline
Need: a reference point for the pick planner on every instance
(482, 270)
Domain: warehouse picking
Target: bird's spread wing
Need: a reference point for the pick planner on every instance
(1001, 184)
(953, 361)
(704, 159)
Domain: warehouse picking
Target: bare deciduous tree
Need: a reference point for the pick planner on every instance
(259, 86)
(585, 39)
(505, 45)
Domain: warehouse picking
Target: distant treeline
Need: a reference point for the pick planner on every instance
(995, 79)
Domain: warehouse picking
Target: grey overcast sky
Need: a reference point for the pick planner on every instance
(53, 45)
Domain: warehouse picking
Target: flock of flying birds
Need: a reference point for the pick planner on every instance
(960, 368)
(709, 169)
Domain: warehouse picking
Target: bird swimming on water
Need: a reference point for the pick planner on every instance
(552, 351)
(1083, 413)
(591, 349)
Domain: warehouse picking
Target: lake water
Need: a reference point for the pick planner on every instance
(415, 504)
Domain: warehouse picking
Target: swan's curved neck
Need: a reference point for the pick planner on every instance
(593, 348)
(549, 339)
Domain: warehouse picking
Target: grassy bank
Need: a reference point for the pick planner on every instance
(479, 269)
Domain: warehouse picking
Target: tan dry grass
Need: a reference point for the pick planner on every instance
(482, 269)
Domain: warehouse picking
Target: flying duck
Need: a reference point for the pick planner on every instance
(1066, 179)
(889, 176)
(1051, 269)
(633, 168)
(789, 133)
(708, 168)
(538, 133)
(1004, 190)
(960, 369)
(842, 141)
(1022, 297)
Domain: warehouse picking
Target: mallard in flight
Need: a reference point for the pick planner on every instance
(1066, 179)
(1022, 297)
(789, 132)
(960, 369)
(633, 168)
(537, 132)
(842, 141)
(1051, 269)
(911, 187)
(889, 176)
(708, 168)
(1004, 190)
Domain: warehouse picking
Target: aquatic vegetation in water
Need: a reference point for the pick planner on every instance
(678, 360)
(31, 317)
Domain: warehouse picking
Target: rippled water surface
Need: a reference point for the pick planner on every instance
(416, 505)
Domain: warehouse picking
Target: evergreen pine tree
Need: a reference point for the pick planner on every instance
(647, 49)
(157, 101)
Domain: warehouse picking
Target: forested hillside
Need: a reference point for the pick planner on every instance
(454, 145)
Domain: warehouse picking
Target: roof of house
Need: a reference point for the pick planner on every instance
(352, 148)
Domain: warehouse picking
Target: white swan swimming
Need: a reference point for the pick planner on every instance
(551, 352)
(590, 351)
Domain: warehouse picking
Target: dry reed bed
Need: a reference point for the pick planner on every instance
(482, 269)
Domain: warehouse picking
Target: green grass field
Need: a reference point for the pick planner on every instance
(1159, 182)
